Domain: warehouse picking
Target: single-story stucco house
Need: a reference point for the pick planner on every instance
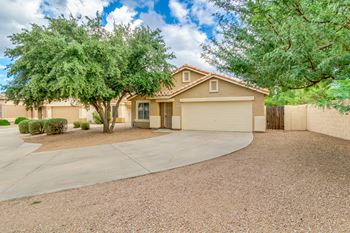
(200, 100)
(69, 109)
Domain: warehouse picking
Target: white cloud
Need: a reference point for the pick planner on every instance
(185, 41)
(178, 10)
(15, 15)
(2, 67)
(139, 3)
(76, 8)
(184, 38)
(86, 7)
(203, 11)
(124, 16)
(152, 19)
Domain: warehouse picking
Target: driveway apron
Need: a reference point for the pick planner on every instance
(26, 173)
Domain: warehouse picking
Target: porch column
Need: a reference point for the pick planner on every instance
(176, 118)
(154, 118)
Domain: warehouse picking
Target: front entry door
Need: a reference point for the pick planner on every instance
(166, 114)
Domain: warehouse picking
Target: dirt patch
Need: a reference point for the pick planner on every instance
(94, 136)
(282, 182)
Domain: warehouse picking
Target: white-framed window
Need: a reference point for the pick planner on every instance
(142, 110)
(186, 76)
(214, 85)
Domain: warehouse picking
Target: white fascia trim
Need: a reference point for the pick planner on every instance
(218, 99)
(165, 100)
(188, 68)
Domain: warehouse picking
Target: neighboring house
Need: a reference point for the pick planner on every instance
(200, 100)
(70, 110)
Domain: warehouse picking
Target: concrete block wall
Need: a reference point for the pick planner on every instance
(328, 121)
(311, 118)
(295, 117)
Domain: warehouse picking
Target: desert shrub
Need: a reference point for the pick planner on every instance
(44, 122)
(97, 118)
(55, 125)
(36, 127)
(23, 126)
(85, 125)
(4, 122)
(19, 119)
(76, 124)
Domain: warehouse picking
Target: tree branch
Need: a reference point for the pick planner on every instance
(300, 11)
(325, 46)
(312, 82)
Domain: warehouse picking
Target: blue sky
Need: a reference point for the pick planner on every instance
(185, 25)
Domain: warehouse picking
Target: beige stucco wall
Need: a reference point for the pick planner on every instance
(177, 79)
(295, 117)
(63, 109)
(10, 111)
(226, 89)
(328, 121)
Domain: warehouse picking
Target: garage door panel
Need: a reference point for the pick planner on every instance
(69, 113)
(219, 116)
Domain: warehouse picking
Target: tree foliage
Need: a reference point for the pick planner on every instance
(71, 58)
(286, 45)
(336, 95)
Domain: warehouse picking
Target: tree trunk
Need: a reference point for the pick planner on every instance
(105, 127)
(40, 113)
(116, 114)
(104, 111)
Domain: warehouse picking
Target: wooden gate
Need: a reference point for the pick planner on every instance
(275, 117)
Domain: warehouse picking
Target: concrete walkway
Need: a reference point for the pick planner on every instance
(24, 173)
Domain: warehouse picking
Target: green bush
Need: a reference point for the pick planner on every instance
(4, 122)
(85, 125)
(19, 119)
(44, 122)
(76, 124)
(36, 127)
(97, 118)
(55, 125)
(23, 126)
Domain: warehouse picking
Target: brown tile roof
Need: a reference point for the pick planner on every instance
(172, 92)
(186, 66)
(207, 75)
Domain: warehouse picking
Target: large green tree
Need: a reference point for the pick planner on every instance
(81, 60)
(286, 45)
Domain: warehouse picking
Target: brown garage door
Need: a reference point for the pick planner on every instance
(69, 113)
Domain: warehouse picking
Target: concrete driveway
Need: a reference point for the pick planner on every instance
(24, 173)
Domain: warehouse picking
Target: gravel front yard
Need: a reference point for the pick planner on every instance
(80, 138)
(283, 182)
